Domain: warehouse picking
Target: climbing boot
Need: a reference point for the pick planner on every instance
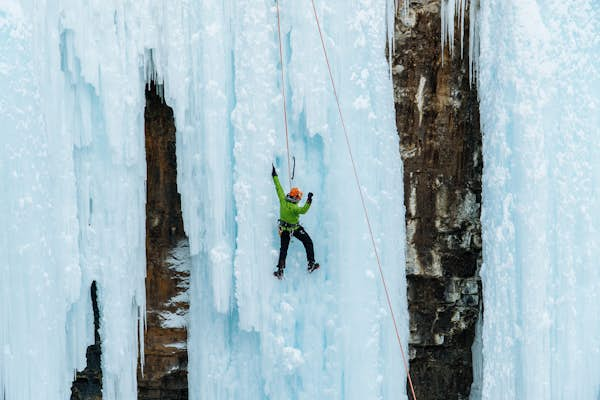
(279, 273)
(312, 266)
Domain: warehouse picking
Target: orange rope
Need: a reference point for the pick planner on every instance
(287, 140)
(387, 295)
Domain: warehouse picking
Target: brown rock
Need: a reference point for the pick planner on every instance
(165, 362)
(437, 116)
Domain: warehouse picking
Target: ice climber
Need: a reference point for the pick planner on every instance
(289, 218)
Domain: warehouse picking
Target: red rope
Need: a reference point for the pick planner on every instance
(362, 199)
(287, 140)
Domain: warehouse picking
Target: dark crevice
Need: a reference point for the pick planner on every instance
(88, 383)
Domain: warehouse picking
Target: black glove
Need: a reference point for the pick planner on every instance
(310, 195)
(273, 173)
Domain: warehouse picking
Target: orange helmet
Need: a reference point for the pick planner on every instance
(295, 193)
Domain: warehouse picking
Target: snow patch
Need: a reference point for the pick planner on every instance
(419, 98)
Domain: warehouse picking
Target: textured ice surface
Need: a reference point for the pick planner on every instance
(326, 335)
(539, 85)
(72, 166)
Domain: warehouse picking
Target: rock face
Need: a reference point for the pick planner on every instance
(437, 116)
(167, 256)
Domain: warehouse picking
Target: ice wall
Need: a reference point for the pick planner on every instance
(72, 97)
(40, 274)
(537, 67)
(327, 335)
(73, 168)
(539, 85)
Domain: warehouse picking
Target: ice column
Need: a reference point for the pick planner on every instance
(326, 335)
(73, 169)
(539, 84)
(40, 274)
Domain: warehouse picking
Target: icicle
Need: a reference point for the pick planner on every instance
(461, 18)
(391, 10)
(473, 40)
(449, 12)
(405, 5)
(391, 7)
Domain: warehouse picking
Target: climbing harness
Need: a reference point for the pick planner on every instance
(358, 185)
(286, 226)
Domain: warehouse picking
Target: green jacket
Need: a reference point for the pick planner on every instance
(288, 211)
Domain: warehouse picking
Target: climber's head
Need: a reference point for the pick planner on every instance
(294, 195)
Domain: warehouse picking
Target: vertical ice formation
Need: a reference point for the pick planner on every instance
(40, 274)
(539, 84)
(72, 166)
(326, 335)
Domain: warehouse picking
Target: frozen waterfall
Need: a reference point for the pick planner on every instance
(539, 87)
(72, 168)
(72, 165)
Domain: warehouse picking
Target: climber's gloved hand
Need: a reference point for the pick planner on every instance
(273, 173)
(310, 195)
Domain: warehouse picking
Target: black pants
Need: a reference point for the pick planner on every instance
(301, 235)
